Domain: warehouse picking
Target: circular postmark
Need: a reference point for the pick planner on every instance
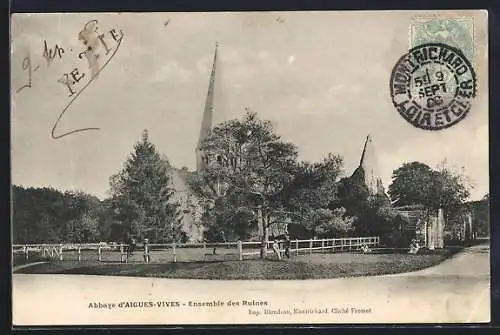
(432, 86)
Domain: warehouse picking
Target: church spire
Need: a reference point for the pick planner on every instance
(368, 163)
(206, 124)
(361, 161)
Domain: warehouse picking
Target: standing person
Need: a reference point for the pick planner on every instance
(414, 247)
(287, 245)
(131, 247)
(276, 248)
(221, 237)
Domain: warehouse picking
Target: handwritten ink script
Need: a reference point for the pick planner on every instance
(99, 48)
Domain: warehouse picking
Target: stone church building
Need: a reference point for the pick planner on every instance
(191, 211)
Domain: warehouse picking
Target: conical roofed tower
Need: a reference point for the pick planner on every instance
(208, 114)
(369, 166)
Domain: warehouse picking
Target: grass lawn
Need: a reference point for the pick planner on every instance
(313, 266)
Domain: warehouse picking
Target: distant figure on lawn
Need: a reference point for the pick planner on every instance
(414, 247)
(276, 248)
(131, 247)
(221, 238)
(287, 245)
(365, 249)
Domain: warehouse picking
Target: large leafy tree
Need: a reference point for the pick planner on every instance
(412, 184)
(249, 167)
(309, 195)
(417, 184)
(253, 179)
(141, 196)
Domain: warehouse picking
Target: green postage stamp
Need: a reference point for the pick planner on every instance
(456, 32)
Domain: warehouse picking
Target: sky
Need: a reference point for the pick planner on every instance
(322, 78)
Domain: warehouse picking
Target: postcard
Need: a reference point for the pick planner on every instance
(181, 168)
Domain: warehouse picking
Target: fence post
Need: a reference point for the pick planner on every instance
(43, 250)
(99, 253)
(26, 251)
(240, 250)
(147, 257)
(297, 247)
(61, 252)
(79, 252)
(310, 246)
(173, 251)
(323, 245)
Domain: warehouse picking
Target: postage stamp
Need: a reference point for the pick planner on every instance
(432, 86)
(457, 32)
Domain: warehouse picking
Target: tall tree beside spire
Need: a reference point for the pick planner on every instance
(243, 182)
(141, 196)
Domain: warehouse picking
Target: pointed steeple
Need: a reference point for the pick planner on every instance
(361, 161)
(206, 123)
(368, 163)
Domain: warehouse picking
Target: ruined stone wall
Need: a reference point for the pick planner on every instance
(425, 226)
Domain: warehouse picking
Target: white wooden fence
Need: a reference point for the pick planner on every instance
(239, 249)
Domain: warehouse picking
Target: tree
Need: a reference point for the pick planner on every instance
(249, 167)
(372, 213)
(46, 215)
(141, 196)
(83, 221)
(417, 184)
(310, 193)
(451, 188)
(329, 223)
(412, 184)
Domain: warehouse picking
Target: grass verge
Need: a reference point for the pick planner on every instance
(314, 266)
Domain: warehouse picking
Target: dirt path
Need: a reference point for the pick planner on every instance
(455, 291)
(19, 267)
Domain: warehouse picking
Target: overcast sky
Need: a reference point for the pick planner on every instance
(322, 78)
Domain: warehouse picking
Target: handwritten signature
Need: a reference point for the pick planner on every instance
(50, 54)
(93, 41)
